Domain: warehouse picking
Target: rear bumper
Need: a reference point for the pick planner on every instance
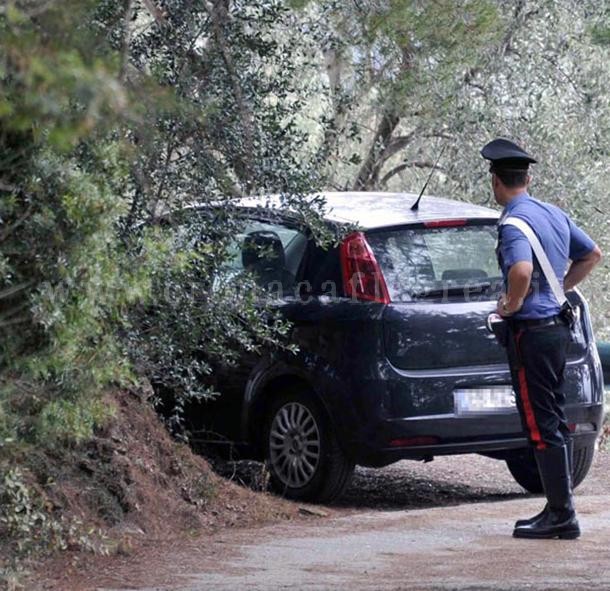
(493, 434)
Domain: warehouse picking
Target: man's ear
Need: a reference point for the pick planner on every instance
(528, 180)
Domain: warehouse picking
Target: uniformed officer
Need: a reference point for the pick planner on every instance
(538, 333)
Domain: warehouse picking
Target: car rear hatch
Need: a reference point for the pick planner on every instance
(442, 281)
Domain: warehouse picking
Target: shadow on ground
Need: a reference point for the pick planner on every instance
(407, 484)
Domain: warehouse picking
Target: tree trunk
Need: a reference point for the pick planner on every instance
(368, 176)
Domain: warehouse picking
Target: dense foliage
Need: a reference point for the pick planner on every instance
(112, 115)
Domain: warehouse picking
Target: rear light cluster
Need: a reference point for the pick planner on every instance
(362, 276)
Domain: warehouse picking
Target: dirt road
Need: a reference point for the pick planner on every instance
(464, 547)
(371, 542)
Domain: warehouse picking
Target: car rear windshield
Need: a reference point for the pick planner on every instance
(455, 262)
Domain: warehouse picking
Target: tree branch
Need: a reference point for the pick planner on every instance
(219, 15)
(415, 164)
(39, 8)
(9, 292)
(155, 12)
(126, 41)
(396, 145)
(9, 188)
(366, 176)
(10, 229)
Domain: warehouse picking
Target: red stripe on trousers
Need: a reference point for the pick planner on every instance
(530, 418)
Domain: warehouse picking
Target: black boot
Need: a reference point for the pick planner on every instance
(532, 520)
(559, 520)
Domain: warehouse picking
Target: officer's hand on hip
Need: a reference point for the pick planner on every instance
(504, 307)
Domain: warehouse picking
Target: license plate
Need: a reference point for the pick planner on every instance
(495, 399)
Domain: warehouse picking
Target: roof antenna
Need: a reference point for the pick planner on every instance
(415, 206)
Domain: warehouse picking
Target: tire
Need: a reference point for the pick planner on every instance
(523, 468)
(583, 458)
(302, 453)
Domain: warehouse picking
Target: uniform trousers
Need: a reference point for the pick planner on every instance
(537, 359)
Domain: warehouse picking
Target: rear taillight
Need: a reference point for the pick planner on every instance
(444, 223)
(362, 276)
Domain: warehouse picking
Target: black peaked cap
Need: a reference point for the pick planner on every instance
(507, 155)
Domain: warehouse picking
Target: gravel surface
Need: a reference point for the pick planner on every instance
(463, 548)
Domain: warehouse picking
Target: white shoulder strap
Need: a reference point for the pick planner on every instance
(543, 260)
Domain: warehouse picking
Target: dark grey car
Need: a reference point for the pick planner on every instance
(395, 360)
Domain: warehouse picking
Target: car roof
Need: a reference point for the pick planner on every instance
(377, 209)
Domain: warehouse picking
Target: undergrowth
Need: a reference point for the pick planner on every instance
(26, 520)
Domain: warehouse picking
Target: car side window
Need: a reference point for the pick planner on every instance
(271, 253)
(323, 271)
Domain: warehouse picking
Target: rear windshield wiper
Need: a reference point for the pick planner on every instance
(452, 290)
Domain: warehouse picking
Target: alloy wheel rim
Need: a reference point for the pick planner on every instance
(294, 445)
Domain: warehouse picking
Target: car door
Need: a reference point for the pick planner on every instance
(271, 252)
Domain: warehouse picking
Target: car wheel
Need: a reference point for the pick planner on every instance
(303, 455)
(524, 470)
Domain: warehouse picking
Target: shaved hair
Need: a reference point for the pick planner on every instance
(511, 177)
